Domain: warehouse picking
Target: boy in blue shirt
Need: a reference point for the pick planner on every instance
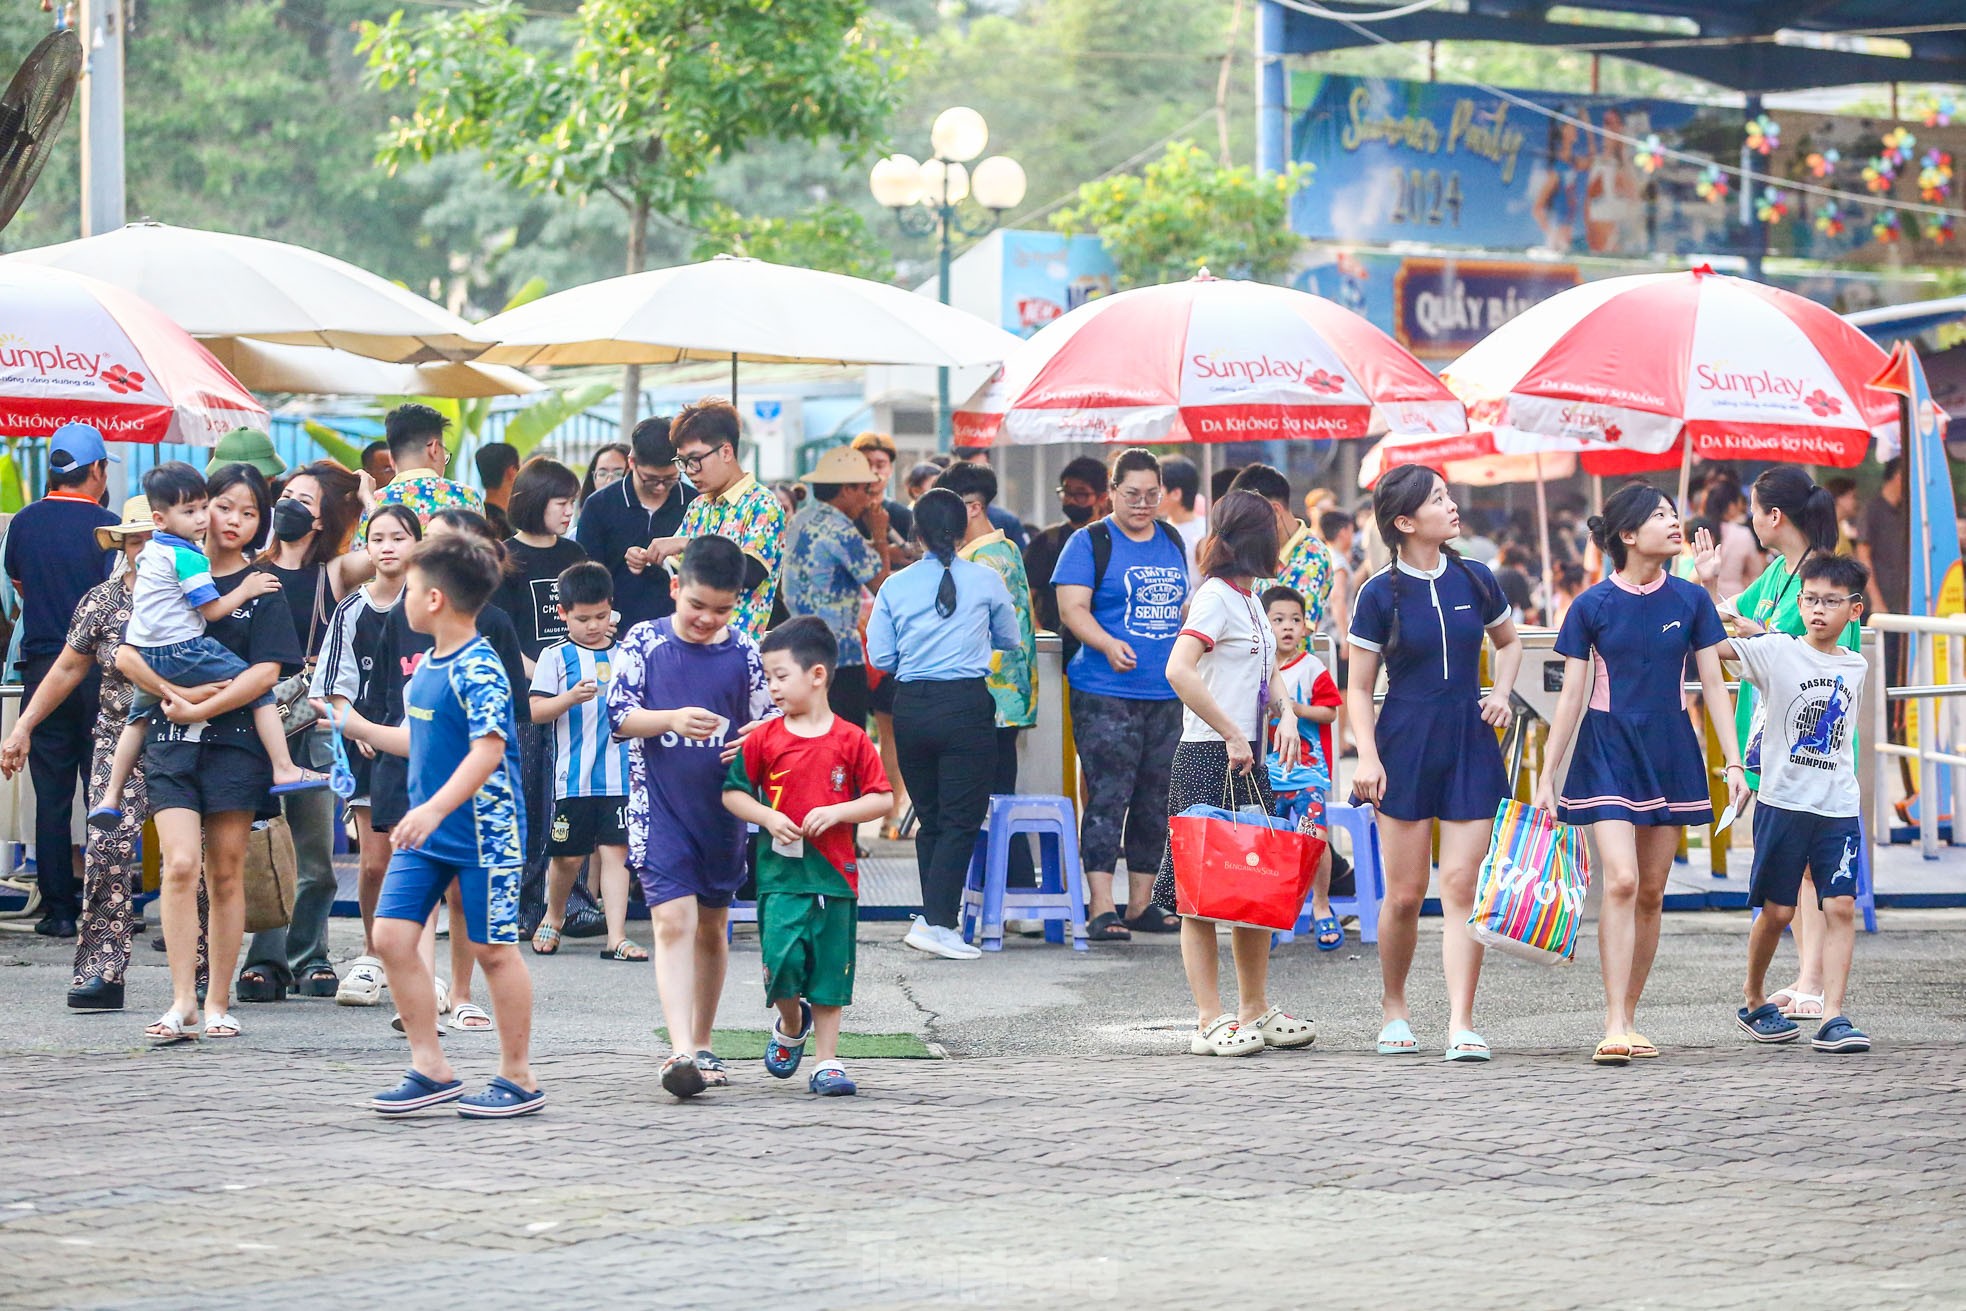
(465, 823)
(590, 767)
(688, 687)
(170, 602)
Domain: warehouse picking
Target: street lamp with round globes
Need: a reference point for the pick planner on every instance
(925, 197)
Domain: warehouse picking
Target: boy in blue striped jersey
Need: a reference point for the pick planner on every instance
(590, 768)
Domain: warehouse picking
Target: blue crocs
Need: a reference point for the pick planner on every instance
(1840, 1036)
(501, 1100)
(416, 1092)
(830, 1080)
(783, 1054)
(1766, 1023)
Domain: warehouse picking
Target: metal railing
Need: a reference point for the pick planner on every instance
(1937, 713)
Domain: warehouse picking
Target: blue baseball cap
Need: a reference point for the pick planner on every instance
(75, 446)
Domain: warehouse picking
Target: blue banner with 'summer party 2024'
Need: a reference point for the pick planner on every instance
(1450, 165)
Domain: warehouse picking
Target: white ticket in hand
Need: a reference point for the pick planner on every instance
(794, 849)
(1727, 817)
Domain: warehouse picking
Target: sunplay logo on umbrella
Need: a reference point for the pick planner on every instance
(17, 353)
(1766, 384)
(1263, 368)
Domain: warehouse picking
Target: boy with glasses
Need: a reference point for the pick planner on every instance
(1808, 806)
(730, 503)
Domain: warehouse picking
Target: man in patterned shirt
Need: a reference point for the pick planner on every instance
(730, 503)
(1306, 562)
(416, 445)
(828, 565)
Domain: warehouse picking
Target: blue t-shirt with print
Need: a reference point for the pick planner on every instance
(451, 702)
(1139, 602)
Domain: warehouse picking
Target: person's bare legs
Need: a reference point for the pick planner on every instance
(225, 887)
(1321, 887)
(372, 863)
(1656, 847)
(1808, 928)
(1201, 959)
(1462, 846)
(712, 963)
(1763, 936)
(1099, 893)
(1839, 946)
(510, 985)
(613, 862)
(825, 1032)
(561, 872)
(463, 956)
(1405, 847)
(675, 924)
(400, 945)
(180, 835)
(1617, 858)
(1251, 950)
(273, 737)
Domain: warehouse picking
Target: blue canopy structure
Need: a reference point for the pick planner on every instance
(1736, 45)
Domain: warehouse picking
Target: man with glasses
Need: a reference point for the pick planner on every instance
(620, 522)
(729, 503)
(1122, 584)
(1082, 496)
(415, 434)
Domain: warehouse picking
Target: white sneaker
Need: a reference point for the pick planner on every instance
(938, 941)
(362, 985)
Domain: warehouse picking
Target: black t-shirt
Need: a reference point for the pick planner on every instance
(260, 632)
(302, 586)
(499, 520)
(1887, 532)
(400, 648)
(528, 596)
(614, 519)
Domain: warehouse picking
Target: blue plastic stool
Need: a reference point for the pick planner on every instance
(1368, 873)
(1059, 898)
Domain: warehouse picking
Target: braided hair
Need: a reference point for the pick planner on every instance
(1399, 495)
(940, 518)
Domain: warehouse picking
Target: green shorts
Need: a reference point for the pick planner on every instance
(808, 946)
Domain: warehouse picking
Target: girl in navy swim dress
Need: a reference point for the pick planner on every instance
(1639, 772)
(1431, 752)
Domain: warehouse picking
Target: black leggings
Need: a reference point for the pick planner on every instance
(945, 738)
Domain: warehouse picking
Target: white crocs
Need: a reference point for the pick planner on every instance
(1281, 1030)
(1223, 1037)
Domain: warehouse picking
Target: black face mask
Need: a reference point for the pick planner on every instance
(1077, 513)
(291, 520)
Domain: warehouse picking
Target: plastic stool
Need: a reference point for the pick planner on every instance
(1368, 873)
(1059, 898)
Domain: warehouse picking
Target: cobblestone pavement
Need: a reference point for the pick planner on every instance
(1719, 1176)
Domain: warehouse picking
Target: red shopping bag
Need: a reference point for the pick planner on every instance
(1242, 869)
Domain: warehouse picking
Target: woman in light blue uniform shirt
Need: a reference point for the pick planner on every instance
(934, 627)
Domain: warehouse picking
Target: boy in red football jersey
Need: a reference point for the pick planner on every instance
(807, 779)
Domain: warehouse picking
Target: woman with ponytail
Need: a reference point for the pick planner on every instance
(934, 627)
(1795, 520)
(1639, 773)
(1430, 753)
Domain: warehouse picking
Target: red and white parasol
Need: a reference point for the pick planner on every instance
(75, 349)
(1738, 369)
(1207, 360)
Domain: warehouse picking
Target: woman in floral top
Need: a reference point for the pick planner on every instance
(113, 864)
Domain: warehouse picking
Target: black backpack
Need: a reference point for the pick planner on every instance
(1101, 534)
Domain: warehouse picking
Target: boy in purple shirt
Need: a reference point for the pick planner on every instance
(688, 687)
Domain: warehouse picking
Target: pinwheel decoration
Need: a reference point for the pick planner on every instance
(1941, 230)
(1898, 145)
(1886, 227)
(1880, 175)
(1712, 184)
(1938, 113)
(1764, 135)
(1935, 177)
(1823, 163)
(1771, 206)
(1829, 222)
(1650, 154)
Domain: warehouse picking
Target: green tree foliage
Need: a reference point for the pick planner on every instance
(1185, 211)
(829, 237)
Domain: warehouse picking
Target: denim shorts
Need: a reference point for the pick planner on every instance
(188, 663)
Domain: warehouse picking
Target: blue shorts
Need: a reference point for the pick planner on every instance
(188, 663)
(416, 882)
(1788, 841)
(659, 885)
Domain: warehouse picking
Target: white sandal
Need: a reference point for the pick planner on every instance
(1281, 1030)
(1224, 1037)
(461, 1018)
(171, 1027)
(221, 1026)
(1799, 1005)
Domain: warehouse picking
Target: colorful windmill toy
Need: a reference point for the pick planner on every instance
(1880, 175)
(1771, 207)
(1829, 222)
(1712, 184)
(1885, 227)
(1764, 134)
(1824, 163)
(1935, 178)
(1898, 145)
(1650, 154)
(1938, 113)
(1941, 230)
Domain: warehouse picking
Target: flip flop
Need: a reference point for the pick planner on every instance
(1107, 927)
(1154, 919)
(311, 779)
(1466, 1045)
(1397, 1039)
(472, 1018)
(1643, 1048)
(1612, 1051)
(625, 950)
(1328, 927)
(545, 940)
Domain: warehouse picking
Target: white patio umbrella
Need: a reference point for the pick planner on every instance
(737, 309)
(217, 284)
(318, 371)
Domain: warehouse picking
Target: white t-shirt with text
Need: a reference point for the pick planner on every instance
(1808, 742)
(1239, 652)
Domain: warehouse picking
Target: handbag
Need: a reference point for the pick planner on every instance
(291, 694)
(1529, 895)
(269, 875)
(1238, 867)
